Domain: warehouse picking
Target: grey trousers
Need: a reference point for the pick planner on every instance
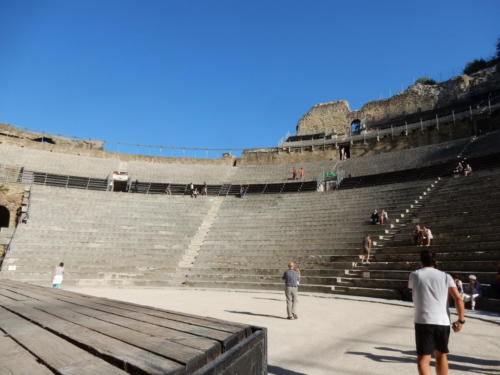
(292, 300)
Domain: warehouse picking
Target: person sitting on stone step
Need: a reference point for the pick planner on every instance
(375, 217)
(427, 235)
(458, 169)
(473, 291)
(417, 236)
(467, 170)
(384, 217)
(367, 247)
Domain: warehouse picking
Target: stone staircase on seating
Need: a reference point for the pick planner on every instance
(104, 238)
(466, 229)
(254, 238)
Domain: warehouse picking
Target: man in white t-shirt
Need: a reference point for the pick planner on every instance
(430, 290)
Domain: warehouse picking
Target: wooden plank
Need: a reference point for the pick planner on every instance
(124, 355)
(194, 319)
(116, 330)
(15, 360)
(191, 358)
(52, 350)
(193, 330)
(227, 339)
(211, 347)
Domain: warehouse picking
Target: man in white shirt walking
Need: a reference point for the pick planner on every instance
(431, 289)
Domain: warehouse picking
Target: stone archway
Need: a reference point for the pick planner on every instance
(4, 217)
(356, 127)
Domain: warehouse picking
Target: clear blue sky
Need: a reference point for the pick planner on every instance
(221, 73)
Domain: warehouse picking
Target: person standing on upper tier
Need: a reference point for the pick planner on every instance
(292, 278)
(431, 289)
(301, 173)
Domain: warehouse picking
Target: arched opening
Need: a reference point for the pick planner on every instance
(356, 127)
(344, 152)
(4, 217)
(45, 140)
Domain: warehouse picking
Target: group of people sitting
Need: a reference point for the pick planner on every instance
(470, 292)
(422, 236)
(379, 218)
(195, 192)
(461, 170)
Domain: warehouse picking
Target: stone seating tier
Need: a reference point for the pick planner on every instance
(217, 174)
(133, 239)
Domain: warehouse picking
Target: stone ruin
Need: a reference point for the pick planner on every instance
(336, 117)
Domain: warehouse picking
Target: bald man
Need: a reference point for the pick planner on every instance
(291, 278)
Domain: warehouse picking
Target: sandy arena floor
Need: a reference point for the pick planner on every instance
(331, 336)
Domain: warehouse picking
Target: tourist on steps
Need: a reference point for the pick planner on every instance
(384, 217)
(301, 173)
(417, 236)
(292, 278)
(367, 247)
(294, 173)
(427, 235)
(375, 217)
(473, 291)
(459, 169)
(467, 170)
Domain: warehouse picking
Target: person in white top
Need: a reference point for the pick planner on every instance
(430, 290)
(427, 235)
(57, 278)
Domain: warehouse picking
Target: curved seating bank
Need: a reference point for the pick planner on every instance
(156, 240)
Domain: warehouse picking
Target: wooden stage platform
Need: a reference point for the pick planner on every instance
(51, 331)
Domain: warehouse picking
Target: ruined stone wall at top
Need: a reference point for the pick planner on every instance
(10, 135)
(336, 117)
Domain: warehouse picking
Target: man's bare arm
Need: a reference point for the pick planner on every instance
(459, 305)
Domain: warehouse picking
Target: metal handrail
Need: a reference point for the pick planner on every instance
(377, 133)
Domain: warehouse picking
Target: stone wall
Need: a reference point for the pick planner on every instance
(9, 131)
(11, 135)
(336, 117)
(416, 138)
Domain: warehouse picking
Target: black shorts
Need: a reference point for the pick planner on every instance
(431, 337)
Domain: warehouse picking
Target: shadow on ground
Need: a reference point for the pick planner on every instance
(456, 362)
(276, 370)
(254, 314)
(269, 299)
